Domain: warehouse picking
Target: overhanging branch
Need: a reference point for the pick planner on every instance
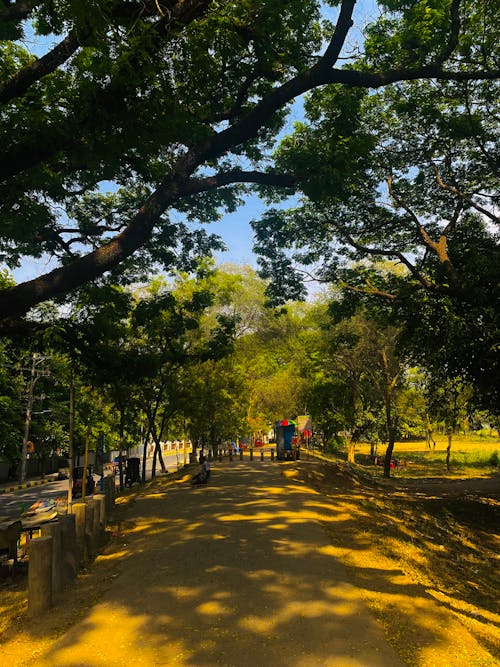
(19, 83)
(463, 196)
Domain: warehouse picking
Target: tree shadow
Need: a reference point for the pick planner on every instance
(241, 572)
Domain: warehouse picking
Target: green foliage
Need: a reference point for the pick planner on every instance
(122, 109)
(164, 107)
(415, 38)
(332, 150)
(160, 112)
(422, 249)
(11, 416)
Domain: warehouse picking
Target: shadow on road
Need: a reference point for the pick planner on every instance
(240, 572)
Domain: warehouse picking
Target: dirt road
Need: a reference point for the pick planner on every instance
(236, 573)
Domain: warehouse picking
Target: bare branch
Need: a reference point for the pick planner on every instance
(396, 254)
(312, 277)
(454, 190)
(440, 248)
(453, 220)
(369, 289)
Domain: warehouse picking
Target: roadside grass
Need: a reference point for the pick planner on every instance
(471, 456)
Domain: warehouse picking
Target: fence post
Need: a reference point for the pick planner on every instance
(96, 525)
(272, 454)
(53, 530)
(68, 547)
(261, 454)
(40, 575)
(90, 540)
(79, 512)
(108, 490)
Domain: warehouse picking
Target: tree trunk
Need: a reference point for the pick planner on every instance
(145, 454)
(120, 451)
(71, 439)
(390, 383)
(449, 435)
(388, 457)
(351, 449)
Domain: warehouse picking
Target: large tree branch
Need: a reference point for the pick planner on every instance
(344, 24)
(44, 145)
(452, 43)
(17, 300)
(195, 185)
(18, 158)
(19, 83)
(25, 155)
(369, 290)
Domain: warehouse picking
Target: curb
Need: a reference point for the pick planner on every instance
(26, 485)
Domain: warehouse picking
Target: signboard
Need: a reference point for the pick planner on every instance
(304, 423)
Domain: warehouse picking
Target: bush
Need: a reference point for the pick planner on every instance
(335, 445)
(494, 459)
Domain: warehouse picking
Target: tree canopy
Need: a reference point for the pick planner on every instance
(175, 108)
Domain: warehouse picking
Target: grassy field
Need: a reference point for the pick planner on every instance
(471, 455)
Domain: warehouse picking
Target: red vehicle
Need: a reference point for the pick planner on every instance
(78, 481)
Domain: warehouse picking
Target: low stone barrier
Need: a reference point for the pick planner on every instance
(40, 575)
(64, 545)
(69, 548)
(53, 530)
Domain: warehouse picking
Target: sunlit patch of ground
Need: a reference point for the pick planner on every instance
(446, 545)
(17, 631)
(410, 550)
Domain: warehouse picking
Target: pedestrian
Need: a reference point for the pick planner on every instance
(203, 476)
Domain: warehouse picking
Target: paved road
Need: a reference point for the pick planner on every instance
(12, 504)
(238, 573)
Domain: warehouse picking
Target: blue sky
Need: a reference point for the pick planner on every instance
(234, 228)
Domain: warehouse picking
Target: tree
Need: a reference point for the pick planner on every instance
(449, 400)
(413, 219)
(167, 101)
(341, 396)
(10, 414)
